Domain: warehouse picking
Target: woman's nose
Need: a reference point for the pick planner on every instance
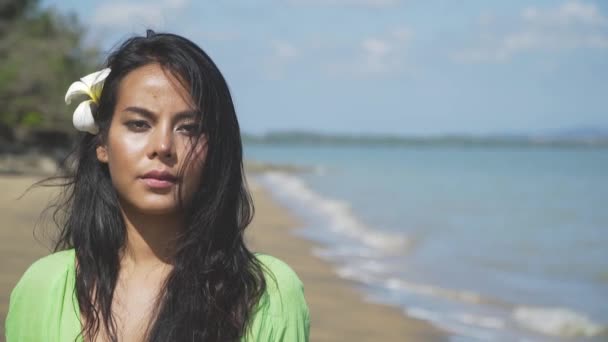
(162, 144)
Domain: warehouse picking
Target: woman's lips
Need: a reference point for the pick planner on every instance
(157, 179)
(157, 183)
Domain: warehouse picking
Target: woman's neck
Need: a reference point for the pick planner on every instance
(150, 238)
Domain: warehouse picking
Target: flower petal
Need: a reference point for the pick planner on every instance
(97, 77)
(83, 117)
(98, 82)
(77, 90)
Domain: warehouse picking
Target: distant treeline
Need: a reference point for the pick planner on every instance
(41, 54)
(312, 138)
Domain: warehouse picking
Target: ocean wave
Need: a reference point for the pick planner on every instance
(435, 291)
(344, 252)
(355, 274)
(559, 322)
(461, 324)
(337, 213)
(371, 272)
(481, 321)
(365, 261)
(553, 322)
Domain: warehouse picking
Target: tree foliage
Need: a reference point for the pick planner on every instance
(41, 53)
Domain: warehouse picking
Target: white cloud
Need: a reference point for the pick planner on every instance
(283, 54)
(487, 19)
(348, 3)
(402, 34)
(376, 48)
(154, 14)
(126, 14)
(571, 25)
(572, 12)
(176, 3)
(376, 56)
(371, 56)
(284, 50)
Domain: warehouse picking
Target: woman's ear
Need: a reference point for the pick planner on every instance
(102, 153)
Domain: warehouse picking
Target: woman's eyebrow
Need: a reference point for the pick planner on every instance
(186, 114)
(141, 111)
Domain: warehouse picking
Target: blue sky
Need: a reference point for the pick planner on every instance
(388, 66)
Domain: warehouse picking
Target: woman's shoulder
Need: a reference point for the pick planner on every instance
(277, 268)
(55, 260)
(282, 313)
(45, 272)
(284, 289)
(52, 262)
(41, 293)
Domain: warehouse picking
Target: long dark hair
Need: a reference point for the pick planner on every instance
(216, 281)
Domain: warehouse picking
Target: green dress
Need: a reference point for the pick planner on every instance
(43, 305)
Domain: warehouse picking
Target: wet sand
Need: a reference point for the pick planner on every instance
(338, 311)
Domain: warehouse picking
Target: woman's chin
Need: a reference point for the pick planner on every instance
(156, 208)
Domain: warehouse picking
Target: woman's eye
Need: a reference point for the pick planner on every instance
(137, 125)
(189, 129)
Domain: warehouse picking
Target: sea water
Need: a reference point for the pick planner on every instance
(489, 243)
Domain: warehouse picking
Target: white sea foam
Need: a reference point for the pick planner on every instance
(487, 322)
(558, 322)
(424, 314)
(353, 273)
(346, 252)
(462, 324)
(369, 267)
(337, 213)
(434, 291)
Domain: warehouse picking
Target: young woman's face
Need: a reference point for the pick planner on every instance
(151, 134)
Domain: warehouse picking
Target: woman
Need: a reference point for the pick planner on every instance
(151, 246)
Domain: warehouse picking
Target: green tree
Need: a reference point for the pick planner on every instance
(41, 53)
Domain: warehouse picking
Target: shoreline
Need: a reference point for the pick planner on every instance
(338, 310)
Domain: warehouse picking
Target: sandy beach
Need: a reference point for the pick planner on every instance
(338, 311)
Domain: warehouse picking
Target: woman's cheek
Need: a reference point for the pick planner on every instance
(195, 163)
(200, 152)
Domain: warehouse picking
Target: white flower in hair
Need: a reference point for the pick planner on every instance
(87, 90)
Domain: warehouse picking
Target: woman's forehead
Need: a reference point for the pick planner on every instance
(155, 88)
